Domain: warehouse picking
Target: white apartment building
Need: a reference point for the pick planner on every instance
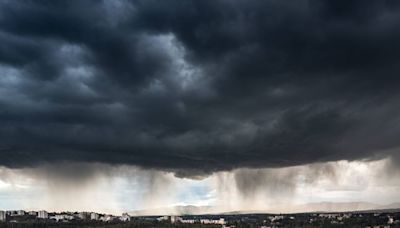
(94, 216)
(43, 215)
(220, 221)
(2, 216)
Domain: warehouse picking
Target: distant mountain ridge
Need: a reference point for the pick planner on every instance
(177, 210)
(309, 207)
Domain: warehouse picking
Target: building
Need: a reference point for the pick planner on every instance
(329, 216)
(34, 213)
(20, 213)
(84, 215)
(107, 218)
(182, 220)
(11, 213)
(16, 213)
(125, 217)
(43, 215)
(94, 216)
(275, 218)
(62, 217)
(163, 218)
(171, 218)
(220, 221)
(3, 216)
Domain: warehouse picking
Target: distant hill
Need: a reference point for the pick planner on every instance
(310, 207)
(336, 207)
(177, 210)
(391, 206)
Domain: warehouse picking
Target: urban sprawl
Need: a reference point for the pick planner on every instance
(82, 219)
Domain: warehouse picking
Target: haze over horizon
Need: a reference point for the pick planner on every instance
(127, 105)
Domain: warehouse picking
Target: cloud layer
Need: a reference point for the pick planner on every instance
(196, 87)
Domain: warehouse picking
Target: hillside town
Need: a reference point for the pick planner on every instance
(21, 218)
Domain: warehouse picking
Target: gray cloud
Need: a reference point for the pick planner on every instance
(198, 86)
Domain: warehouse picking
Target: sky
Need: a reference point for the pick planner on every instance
(236, 105)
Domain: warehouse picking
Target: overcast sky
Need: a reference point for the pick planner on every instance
(191, 90)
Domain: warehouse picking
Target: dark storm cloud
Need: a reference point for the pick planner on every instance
(198, 86)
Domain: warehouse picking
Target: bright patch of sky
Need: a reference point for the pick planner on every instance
(128, 188)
